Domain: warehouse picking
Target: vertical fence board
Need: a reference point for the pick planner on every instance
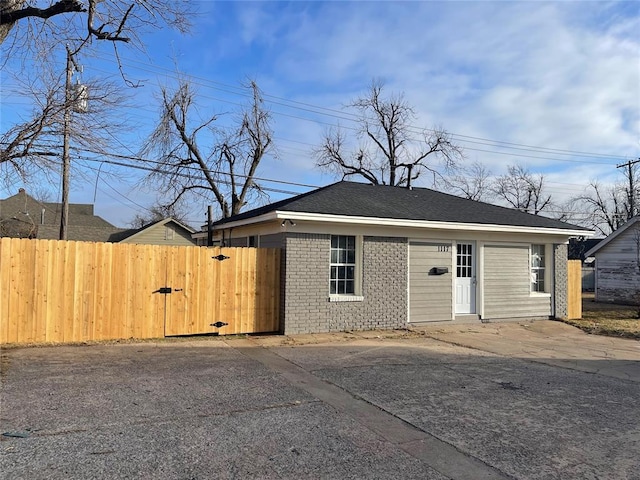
(5, 271)
(14, 289)
(574, 289)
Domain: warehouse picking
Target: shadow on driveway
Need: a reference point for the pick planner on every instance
(407, 407)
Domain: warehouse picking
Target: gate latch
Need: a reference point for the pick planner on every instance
(167, 290)
(219, 324)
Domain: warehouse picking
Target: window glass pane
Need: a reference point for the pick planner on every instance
(334, 241)
(349, 287)
(334, 256)
(333, 288)
(351, 256)
(350, 273)
(351, 242)
(334, 273)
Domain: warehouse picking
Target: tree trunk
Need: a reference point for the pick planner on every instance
(8, 6)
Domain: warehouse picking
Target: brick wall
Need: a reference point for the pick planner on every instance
(560, 280)
(306, 305)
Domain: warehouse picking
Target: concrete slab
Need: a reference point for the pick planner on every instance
(334, 406)
(177, 411)
(550, 342)
(529, 420)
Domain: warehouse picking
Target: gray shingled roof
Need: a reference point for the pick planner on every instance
(22, 210)
(383, 201)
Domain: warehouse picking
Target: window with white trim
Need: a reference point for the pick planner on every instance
(538, 268)
(343, 265)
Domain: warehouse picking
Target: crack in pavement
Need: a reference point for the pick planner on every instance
(160, 420)
(436, 453)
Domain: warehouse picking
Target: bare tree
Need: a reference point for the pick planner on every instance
(34, 147)
(31, 34)
(473, 182)
(111, 20)
(226, 169)
(160, 211)
(605, 207)
(522, 190)
(389, 152)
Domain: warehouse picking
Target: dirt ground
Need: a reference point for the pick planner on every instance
(589, 304)
(607, 318)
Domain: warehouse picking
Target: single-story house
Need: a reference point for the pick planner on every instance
(23, 216)
(360, 257)
(617, 271)
(167, 231)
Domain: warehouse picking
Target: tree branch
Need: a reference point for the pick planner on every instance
(63, 6)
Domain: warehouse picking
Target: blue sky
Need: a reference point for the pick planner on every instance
(554, 86)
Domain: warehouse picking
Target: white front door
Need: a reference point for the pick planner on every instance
(465, 278)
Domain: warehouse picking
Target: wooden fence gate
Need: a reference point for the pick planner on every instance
(56, 291)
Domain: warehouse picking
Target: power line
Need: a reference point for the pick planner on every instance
(347, 116)
(156, 170)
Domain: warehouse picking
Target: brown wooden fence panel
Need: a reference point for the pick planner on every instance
(574, 289)
(54, 291)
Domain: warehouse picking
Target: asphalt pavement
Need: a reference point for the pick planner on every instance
(516, 402)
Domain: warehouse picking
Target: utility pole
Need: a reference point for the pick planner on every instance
(209, 226)
(64, 215)
(632, 191)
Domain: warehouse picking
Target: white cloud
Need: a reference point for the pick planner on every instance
(560, 75)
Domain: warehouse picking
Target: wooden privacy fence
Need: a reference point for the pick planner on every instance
(59, 291)
(574, 289)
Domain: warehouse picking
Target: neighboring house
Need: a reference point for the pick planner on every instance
(23, 216)
(578, 247)
(163, 232)
(617, 275)
(358, 256)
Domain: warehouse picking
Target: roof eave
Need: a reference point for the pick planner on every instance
(393, 222)
(612, 236)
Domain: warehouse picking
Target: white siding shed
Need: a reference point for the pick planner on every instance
(617, 271)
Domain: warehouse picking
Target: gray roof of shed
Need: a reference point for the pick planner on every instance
(384, 201)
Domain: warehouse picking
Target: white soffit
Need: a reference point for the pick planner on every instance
(392, 222)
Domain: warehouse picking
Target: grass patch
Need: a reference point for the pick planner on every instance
(608, 319)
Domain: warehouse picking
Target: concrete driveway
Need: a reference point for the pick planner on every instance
(546, 341)
(374, 405)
